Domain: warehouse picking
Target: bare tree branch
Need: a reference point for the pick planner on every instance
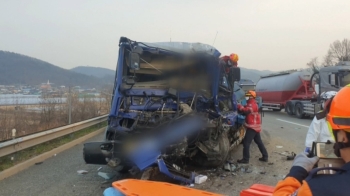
(338, 51)
(314, 64)
(328, 60)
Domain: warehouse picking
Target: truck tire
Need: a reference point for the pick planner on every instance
(299, 110)
(289, 108)
(224, 149)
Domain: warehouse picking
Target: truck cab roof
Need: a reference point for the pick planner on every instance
(175, 47)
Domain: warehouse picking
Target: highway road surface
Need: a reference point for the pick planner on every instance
(58, 175)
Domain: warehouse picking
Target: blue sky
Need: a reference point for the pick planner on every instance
(266, 34)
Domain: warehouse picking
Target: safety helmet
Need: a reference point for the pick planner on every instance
(251, 93)
(339, 111)
(234, 57)
(328, 94)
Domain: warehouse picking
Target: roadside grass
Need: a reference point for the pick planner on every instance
(23, 155)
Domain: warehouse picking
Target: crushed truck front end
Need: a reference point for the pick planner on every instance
(171, 101)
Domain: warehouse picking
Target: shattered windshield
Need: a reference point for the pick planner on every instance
(161, 71)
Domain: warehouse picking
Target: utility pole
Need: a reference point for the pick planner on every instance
(69, 106)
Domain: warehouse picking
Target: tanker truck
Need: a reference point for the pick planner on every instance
(299, 92)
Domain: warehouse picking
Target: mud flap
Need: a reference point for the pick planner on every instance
(92, 153)
(99, 153)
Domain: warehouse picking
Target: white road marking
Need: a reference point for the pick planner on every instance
(292, 123)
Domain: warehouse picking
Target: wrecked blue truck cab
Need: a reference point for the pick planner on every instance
(171, 101)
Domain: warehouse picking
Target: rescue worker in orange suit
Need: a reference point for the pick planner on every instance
(302, 179)
(229, 61)
(253, 128)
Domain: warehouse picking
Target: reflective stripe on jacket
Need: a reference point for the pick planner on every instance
(319, 185)
(251, 110)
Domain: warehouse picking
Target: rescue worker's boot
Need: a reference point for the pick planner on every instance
(243, 161)
(263, 159)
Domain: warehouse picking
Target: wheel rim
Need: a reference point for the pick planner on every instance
(289, 108)
(298, 110)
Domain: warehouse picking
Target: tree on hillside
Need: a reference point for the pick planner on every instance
(338, 51)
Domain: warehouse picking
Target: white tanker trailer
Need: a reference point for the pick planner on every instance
(297, 91)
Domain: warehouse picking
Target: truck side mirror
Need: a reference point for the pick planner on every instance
(333, 79)
(135, 58)
(134, 61)
(235, 74)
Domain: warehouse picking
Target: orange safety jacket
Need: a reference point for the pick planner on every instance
(224, 61)
(251, 110)
(301, 183)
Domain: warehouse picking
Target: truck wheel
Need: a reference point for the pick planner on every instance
(289, 108)
(224, 147)
(299, 111)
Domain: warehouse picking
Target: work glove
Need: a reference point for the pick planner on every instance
(305, 162)
(307, 150)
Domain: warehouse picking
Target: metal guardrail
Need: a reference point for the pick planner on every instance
(21, 143)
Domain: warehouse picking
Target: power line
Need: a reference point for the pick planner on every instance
(215, 38)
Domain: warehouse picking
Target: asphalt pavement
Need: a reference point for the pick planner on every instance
(287, 128)
(58, 175)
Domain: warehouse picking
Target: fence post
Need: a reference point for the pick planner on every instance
(69, 106)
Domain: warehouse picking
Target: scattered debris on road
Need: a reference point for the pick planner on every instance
(81, 172)
(290, 156)
(227, 167)
(200, 179)
(281, 153)
(106, 176)
(279, 146)
(230, 167)
(233, 167)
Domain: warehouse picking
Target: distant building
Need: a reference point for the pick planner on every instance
(26, 91)
(46, 86)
